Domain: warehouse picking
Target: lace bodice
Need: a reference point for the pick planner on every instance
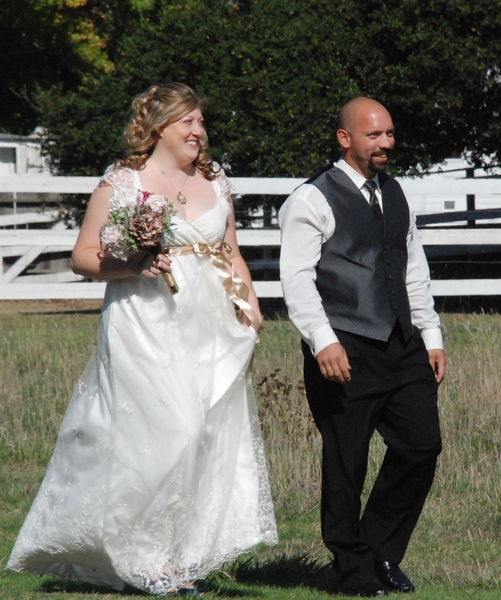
(210, 227)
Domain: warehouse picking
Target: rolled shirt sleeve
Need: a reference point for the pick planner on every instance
(306, 222)
(423, 314)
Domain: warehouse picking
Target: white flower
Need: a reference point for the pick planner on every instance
(111, 235)
(125, 197)
(157, 203)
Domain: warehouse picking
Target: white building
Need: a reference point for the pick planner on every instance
(442, 189)
(20, 154)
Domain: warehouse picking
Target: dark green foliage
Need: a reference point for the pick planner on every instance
(32, 53)
(84, 134)
(276, 73)
(435, 65)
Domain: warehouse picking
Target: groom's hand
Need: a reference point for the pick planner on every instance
(438, 363)
(334, 364)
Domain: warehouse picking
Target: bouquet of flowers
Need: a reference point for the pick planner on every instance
(137, 225)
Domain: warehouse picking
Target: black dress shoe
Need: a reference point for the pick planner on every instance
(370, 589)
(392, 577)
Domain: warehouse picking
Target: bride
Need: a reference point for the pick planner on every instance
(159, 474)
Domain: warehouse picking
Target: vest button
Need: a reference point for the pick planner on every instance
(392, 292)
(388, 262)
(390, 277)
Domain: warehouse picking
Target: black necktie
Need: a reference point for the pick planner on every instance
(370, 185)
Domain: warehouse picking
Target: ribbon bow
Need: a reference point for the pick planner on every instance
(236, 289)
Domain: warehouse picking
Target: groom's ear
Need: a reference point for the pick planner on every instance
(344, 138)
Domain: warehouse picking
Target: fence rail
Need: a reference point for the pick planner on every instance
(43, 184)
(26, 245)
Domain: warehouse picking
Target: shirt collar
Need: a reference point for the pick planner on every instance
(355, 176)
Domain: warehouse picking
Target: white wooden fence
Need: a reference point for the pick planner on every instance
(25, 245)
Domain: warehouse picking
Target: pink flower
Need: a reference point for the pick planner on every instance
(145, 197)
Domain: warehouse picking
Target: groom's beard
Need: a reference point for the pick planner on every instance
(373, 167)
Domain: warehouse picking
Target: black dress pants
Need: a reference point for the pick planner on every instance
(393, 390)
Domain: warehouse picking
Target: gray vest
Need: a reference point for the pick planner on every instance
(362, 268)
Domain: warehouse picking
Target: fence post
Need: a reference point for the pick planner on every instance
(470, 199)
(470, 205)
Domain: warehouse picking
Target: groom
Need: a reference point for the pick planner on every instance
(356, 284)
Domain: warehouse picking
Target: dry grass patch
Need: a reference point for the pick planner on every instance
(457, 539)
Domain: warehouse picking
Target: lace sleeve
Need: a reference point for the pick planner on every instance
(224, 183)
(118, 177)
(124, 187)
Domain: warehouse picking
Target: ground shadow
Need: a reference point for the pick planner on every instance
(285, 571)
(57, 586)
(88, 311)
(279, 572)
(211, 589)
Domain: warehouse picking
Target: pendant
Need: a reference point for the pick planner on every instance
(182, 199)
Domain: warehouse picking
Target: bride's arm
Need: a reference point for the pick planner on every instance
(238, 262)
(88, 258)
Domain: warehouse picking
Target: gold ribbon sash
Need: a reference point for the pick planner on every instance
(236, 289)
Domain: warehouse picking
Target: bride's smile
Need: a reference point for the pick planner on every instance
(182, 139)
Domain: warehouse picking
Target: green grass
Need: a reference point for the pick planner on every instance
(455, 551)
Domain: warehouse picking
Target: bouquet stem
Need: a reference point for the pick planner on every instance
(171, 282)
(169, 278)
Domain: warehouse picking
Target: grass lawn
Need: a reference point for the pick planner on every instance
(455, 551)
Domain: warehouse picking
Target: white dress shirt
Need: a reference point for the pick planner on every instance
(306, 222)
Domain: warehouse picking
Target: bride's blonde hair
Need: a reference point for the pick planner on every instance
(153, 110)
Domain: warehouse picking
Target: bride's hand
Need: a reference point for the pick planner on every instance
(247, 321)
(151, 266)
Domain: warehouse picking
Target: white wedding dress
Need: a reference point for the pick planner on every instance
(159, 474)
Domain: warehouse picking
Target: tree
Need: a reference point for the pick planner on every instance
(436, 66)
(277, 73)
(44, 43)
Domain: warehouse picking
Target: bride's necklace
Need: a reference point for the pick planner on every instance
(180, 198)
